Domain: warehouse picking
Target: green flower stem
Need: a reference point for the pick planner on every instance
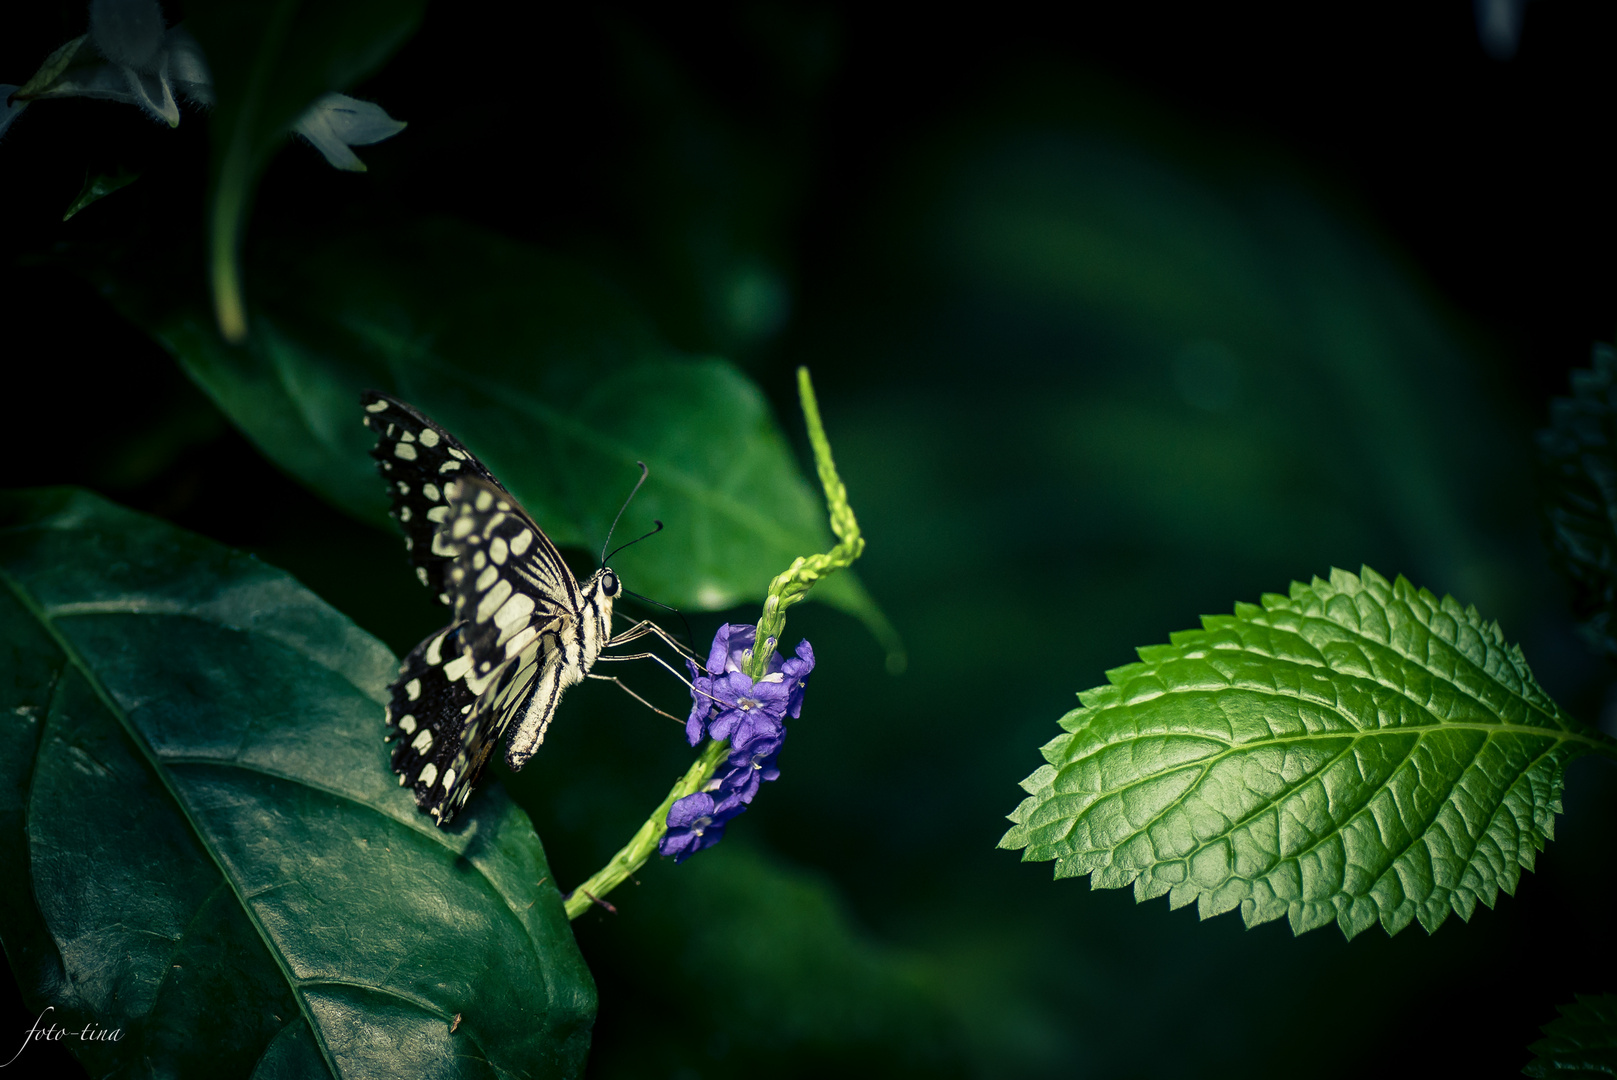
(794, 584)
(640, 847)
(787, 589)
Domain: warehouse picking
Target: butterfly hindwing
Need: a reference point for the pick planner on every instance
(427, 715)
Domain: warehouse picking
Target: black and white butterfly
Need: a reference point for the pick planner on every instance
(524, 628)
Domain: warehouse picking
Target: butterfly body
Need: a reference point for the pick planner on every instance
(524, 629)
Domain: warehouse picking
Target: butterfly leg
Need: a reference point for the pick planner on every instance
(646, 626)
(646, 656)
(631, 693)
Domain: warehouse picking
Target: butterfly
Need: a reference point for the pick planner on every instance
(524, 628)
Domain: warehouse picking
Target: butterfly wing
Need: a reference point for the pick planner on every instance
(513, 644)
(419, 460)
(516, 611)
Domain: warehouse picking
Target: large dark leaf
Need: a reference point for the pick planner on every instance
(544, 374)
(208, 851)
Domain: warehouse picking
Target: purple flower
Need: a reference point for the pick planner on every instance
(701, 704)
(795, 673)
(695, 822)
(748, 711)
(727, 704)
(738, 779)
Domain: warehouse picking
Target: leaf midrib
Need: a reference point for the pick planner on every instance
(47, 622)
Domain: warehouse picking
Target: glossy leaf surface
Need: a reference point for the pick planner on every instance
(1358, 751)
(210, 852)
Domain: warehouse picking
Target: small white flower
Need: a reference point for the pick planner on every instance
(130, 56)
(337, 121)
(127, 56)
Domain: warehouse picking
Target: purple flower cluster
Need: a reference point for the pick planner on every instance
(727, 704)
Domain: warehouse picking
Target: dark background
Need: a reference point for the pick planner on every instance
(1116, 316)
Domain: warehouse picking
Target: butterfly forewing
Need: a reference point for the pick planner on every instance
(419, 460)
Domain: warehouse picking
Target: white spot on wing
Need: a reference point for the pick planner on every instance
(449, 779)
(458, 666)
(520, 642)
(376, 406)
(422, 741)
(421, 572)
(407, 723)
(463, 527)
(437, 513)
(520, 543)
(429, 774)
(497, 549)
(449, 466)
(492, 599)
(430, 490)
(513, 611)
(429, 437)
(487, 577)
(404, 450)
(479, 561)
(485, 499)
(412, 689)
(404, 513)
(434, 651)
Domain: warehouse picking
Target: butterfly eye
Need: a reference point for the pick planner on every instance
(609, 583)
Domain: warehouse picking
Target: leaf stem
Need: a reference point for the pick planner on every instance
(790, 586)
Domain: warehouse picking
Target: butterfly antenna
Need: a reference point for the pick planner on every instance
(644, 472)
(689, 636)
(633, 542)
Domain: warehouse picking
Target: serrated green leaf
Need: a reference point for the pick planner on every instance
(1357, 751)
(544, 374)
(207, 847)
(270, 60)
(1580, 1044)
(1578, 452)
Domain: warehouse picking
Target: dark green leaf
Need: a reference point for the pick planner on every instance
(270, 60)
(209, 850)
(1579, 456)
(1580, 1044)
(1359, 751)
(545, 375)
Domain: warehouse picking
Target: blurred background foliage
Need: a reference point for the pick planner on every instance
(1116, 317)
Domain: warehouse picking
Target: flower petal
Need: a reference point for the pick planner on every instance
(153, 93)
(336, 121)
